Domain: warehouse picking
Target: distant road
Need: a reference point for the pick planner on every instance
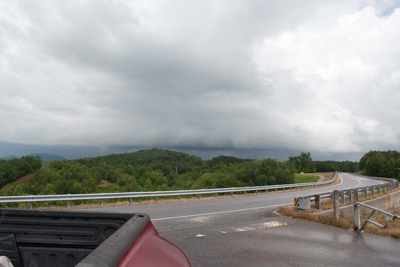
(237, 203)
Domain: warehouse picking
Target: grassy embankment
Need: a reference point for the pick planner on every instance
(305, 178)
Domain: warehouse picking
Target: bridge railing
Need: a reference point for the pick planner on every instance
(352, 195)
(155, 194)
(357, 218)
(389, 185)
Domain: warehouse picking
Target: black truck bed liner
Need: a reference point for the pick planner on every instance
(63, 238)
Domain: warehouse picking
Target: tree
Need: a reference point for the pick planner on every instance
(284, 176)
(303, 162)
(381, 164)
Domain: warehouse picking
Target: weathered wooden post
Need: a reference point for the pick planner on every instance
(317, 201)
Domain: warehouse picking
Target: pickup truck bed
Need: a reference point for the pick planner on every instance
(84, 239)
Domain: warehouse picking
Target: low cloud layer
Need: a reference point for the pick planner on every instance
(210, 74)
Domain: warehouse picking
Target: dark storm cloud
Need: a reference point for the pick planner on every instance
(212, 74)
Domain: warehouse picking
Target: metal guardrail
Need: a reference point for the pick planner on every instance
(353, 195)
(156, 194)
(372, 189)
(357, 218)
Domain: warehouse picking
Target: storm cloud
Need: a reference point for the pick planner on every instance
(303, 75)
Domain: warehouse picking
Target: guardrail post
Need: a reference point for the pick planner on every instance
(342, 197)
(379, 190)
(68, 204)
(350, 194)
(336, 204)
(317, 199)
(373, 190)
(30, 205)
(101, 202)
(356, 214)
(366, 192)
(130, 200)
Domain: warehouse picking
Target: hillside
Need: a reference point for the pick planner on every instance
(47, 157)
(153, 170)
(150, 170)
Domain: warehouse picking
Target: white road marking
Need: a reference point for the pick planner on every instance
(220, 212)
(200, 219)
(273, 224)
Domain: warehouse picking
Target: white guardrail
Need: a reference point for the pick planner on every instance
(156, 194)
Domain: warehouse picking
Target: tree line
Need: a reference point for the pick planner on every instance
(159, 170)
(381, 164)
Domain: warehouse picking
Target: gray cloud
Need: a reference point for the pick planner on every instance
(212, 74)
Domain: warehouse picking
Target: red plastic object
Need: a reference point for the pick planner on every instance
(151, 250)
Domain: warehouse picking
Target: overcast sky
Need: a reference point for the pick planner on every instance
(305, 75)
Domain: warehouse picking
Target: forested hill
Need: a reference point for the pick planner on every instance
(150, 170)
(151, 158)
(155, 169)
(14, 168)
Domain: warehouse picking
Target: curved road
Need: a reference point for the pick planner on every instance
(246, 231)
(237, 203)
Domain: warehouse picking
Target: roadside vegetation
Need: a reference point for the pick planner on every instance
(153, 170)
(161, 170)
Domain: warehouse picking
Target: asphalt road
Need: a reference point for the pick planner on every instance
(246, 231)
(264, 238)
(236, 203)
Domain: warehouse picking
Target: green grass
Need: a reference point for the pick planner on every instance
(305, 178)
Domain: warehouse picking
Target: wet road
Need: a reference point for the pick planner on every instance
(264, 238)
(246, 231)
(237, 203)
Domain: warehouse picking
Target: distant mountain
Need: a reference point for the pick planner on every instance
(45, 156)
(9, 157)
(77, 152)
